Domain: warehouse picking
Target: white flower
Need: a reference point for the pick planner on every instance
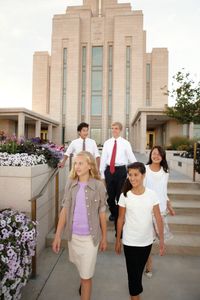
(17, 246)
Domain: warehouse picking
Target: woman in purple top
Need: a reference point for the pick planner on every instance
(83, 213)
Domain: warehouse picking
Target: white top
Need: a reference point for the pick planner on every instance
(77, 145)
(157, 181)
(138, 226)
(124, 154)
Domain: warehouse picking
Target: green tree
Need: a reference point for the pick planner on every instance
(187, 99)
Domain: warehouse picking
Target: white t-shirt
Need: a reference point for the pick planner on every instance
(138, 227)
(157, 181)
(77, 145)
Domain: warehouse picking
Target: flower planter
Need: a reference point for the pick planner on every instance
(19, 184)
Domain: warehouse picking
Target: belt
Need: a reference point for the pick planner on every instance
(117, 167)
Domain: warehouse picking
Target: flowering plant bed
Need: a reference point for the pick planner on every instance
(17, 246)
(21, 159)
(28, 152)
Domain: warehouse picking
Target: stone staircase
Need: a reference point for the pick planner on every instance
(185, 226)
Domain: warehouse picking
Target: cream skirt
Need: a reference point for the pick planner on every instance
(83, 254)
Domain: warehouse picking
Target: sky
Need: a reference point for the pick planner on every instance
(25, 27)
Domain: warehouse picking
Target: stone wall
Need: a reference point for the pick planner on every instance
(19, 184)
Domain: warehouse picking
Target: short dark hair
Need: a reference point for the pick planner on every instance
(81, 126)
(137, 166)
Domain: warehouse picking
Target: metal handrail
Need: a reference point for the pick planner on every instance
(33, 201)
(41, 193)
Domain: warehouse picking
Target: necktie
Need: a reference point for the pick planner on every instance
(112, 161)
(83, 145)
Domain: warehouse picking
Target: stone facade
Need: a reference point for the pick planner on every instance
(98, 70)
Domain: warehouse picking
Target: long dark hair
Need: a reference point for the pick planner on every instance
(138, 166)
(162, 153)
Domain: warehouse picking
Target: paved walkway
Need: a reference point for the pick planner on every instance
(174, 278)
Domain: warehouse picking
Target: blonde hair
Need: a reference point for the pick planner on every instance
(117, 124)
(93, 172)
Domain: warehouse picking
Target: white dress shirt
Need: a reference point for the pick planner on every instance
(76, 146)
(124, 154)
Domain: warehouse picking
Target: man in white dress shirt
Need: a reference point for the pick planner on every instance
(116, 155)
(83, 143)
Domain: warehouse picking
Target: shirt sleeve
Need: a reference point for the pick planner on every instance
(130, 154)
(155, 198)
(121, 201)
(70, 149)
(96, 151)
(165, 187)
(103, 197)
(103, 161)
(66, 198)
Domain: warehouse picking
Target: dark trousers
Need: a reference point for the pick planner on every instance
(136, 258)
(114, 183)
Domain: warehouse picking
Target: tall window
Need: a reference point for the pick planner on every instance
(95, 134)
(128, 78)
(97, 81)
(64, 92)
(148, 85)
(64, 89)
(83, 91)
(110, 73)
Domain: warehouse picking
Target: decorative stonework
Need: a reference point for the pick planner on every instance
(97, 30)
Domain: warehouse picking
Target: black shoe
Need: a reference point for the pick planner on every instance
(79, 290)
(111, 218)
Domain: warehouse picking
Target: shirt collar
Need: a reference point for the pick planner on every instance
(90, 184)
(116, 139)
(83, 139)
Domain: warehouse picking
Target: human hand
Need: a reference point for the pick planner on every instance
(162, 248)
(171, 211)
(56, 244)
(118, 247)
(103, 245)
(61, 164)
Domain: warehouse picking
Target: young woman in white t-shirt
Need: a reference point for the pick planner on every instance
(156, 179)
(136, 205)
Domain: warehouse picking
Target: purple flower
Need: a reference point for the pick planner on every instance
(18, 240)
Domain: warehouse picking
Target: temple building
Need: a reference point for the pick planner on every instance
(99, 72)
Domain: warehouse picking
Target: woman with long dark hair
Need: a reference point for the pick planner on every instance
(156, 179)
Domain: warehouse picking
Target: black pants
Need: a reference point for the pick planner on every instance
(136, 258)
(114, 183)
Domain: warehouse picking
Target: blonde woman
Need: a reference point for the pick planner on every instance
(83, 213)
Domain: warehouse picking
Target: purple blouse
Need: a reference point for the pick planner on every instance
(80, 219)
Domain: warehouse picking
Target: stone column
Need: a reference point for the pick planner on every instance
(21, 125)
(37, 128)
(143, 130)
(50, 130)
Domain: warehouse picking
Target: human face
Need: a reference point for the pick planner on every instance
(156, 157)
(81, 167)
(135, 178)
(115, 131)
(84, 132)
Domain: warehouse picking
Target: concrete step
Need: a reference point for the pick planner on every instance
(183, 194)
(186, 184)
(186, 207)
(185, 241)
(182, 244)
(185, 223)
